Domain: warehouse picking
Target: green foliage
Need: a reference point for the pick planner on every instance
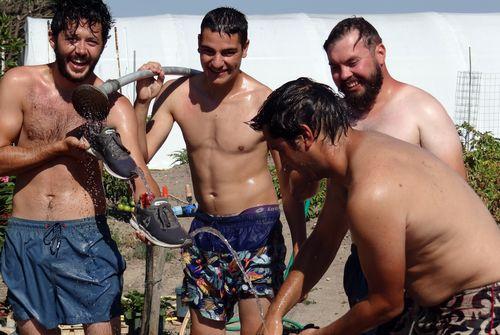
(180, 157)
(481, 153)
(133, 302)
(317, 201)
(276, 183)
(117, 190)
(7, 185)
(10, 45)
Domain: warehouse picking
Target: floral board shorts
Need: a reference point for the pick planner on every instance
(470, 312)
(213, 282)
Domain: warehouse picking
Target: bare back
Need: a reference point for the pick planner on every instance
(62, 188)
(228, 159)
(451, 241)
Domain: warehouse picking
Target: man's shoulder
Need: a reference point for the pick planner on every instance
(416, 96)
(25, 75)
(256, 85)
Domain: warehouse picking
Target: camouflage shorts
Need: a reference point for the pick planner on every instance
(474, 311)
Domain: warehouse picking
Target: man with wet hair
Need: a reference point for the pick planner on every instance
(357, 56)
(59, 261)
(231, 180)
(417, 224)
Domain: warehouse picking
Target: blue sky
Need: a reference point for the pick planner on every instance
(120, 8)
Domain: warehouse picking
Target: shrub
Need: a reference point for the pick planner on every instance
(481, 153)
(10, 46)
(180, 157)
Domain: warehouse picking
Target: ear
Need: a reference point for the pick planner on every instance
(307, 138)
(52, 39)
(380, 53)
(199, 40)
(245, 48)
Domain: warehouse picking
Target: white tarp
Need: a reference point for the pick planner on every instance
(423, 49)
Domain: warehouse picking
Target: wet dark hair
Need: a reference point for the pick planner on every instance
(75, 11)
(226, 20)
(303, 102)
(367, 32)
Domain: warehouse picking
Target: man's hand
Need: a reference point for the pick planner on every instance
(272, 326)
(148, 88)
(74, 147)
(310, 331)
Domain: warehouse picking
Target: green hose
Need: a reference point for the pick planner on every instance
(233, 325)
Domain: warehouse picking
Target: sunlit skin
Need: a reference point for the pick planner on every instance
(399, 110)
(228, 160)
(417, 224)
(56, 178)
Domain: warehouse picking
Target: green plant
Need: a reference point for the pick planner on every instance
(10, 45)
(180, 157)
(316, 201)
(7, 185)
(133, 302)
(481, 152)
(115, 189)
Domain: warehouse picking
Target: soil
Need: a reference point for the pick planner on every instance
(325, 303)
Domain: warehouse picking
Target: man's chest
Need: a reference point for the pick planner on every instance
(223, 128)
(48, 119)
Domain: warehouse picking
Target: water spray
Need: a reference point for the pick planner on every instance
(92, 102)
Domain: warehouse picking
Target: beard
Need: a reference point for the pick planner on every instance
(62, 61)
(363, 102)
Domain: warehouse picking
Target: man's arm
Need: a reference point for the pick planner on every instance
(122, 118)
(152, 134)
(438, 133)
(293, 204)
(378, 227)
(313, 259)
(14, 160)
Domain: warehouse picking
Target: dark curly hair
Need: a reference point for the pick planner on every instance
(303, 102)
(367, 32)
(75, 11)
(226, 20)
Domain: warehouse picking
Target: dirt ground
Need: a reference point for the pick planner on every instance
(325, 303)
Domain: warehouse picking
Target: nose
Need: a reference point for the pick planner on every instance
(80, 48)
(345, 72)
(218, 61)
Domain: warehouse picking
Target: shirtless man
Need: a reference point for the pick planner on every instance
(59, 261)
(231, 180)
(356, 56)
(417, 224)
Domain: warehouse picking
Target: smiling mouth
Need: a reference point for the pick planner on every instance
(78, 63)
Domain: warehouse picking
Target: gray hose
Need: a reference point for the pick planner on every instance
(92, 103)
(114, 85)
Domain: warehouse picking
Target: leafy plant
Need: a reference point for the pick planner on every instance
(10, 46)
(133, 302)
(180, 157)
(116, 190)
(481, 152)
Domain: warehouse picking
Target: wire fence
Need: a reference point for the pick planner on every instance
(477, 100)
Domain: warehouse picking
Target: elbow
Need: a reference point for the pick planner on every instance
(390, 310)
